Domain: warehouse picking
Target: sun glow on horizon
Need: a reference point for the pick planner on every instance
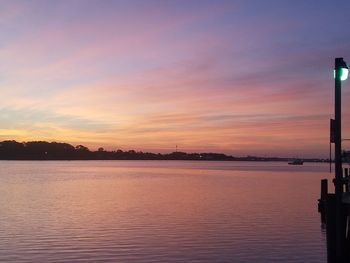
(221, 77)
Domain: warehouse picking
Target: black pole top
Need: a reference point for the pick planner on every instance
(340, 63)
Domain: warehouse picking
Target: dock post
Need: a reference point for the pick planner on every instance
(322, 201)
(330, 209)
(346, 175)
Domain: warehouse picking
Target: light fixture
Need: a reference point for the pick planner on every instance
(342, 68)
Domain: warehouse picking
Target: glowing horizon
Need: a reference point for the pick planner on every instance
(238, 77)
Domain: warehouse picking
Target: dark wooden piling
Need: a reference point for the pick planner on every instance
(338, 246)
(322, 200)
(331, 230)
(330, 209)
(346, 177)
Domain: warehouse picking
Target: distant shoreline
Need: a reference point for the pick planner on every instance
(88, 160)
(53, 151)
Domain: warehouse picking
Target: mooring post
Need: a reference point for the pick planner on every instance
(322, 200)
(346, 176)
(330, 211)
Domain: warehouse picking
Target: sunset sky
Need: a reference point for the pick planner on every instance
(239, 77)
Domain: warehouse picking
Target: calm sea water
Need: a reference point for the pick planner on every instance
(160, 211)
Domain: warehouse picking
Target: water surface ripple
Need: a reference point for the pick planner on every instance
(160, 211)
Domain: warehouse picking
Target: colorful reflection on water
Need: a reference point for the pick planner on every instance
(160, 211)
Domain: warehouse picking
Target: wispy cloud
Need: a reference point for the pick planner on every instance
(235, 77)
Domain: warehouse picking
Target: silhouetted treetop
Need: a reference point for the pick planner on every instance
(42, 150)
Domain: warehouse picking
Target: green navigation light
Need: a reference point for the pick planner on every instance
(343, 70)
(344, 73)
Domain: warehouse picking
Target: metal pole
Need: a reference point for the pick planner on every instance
(338, 160)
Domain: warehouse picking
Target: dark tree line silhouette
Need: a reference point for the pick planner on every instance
(41, 150)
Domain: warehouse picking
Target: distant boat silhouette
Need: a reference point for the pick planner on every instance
(296, 162)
